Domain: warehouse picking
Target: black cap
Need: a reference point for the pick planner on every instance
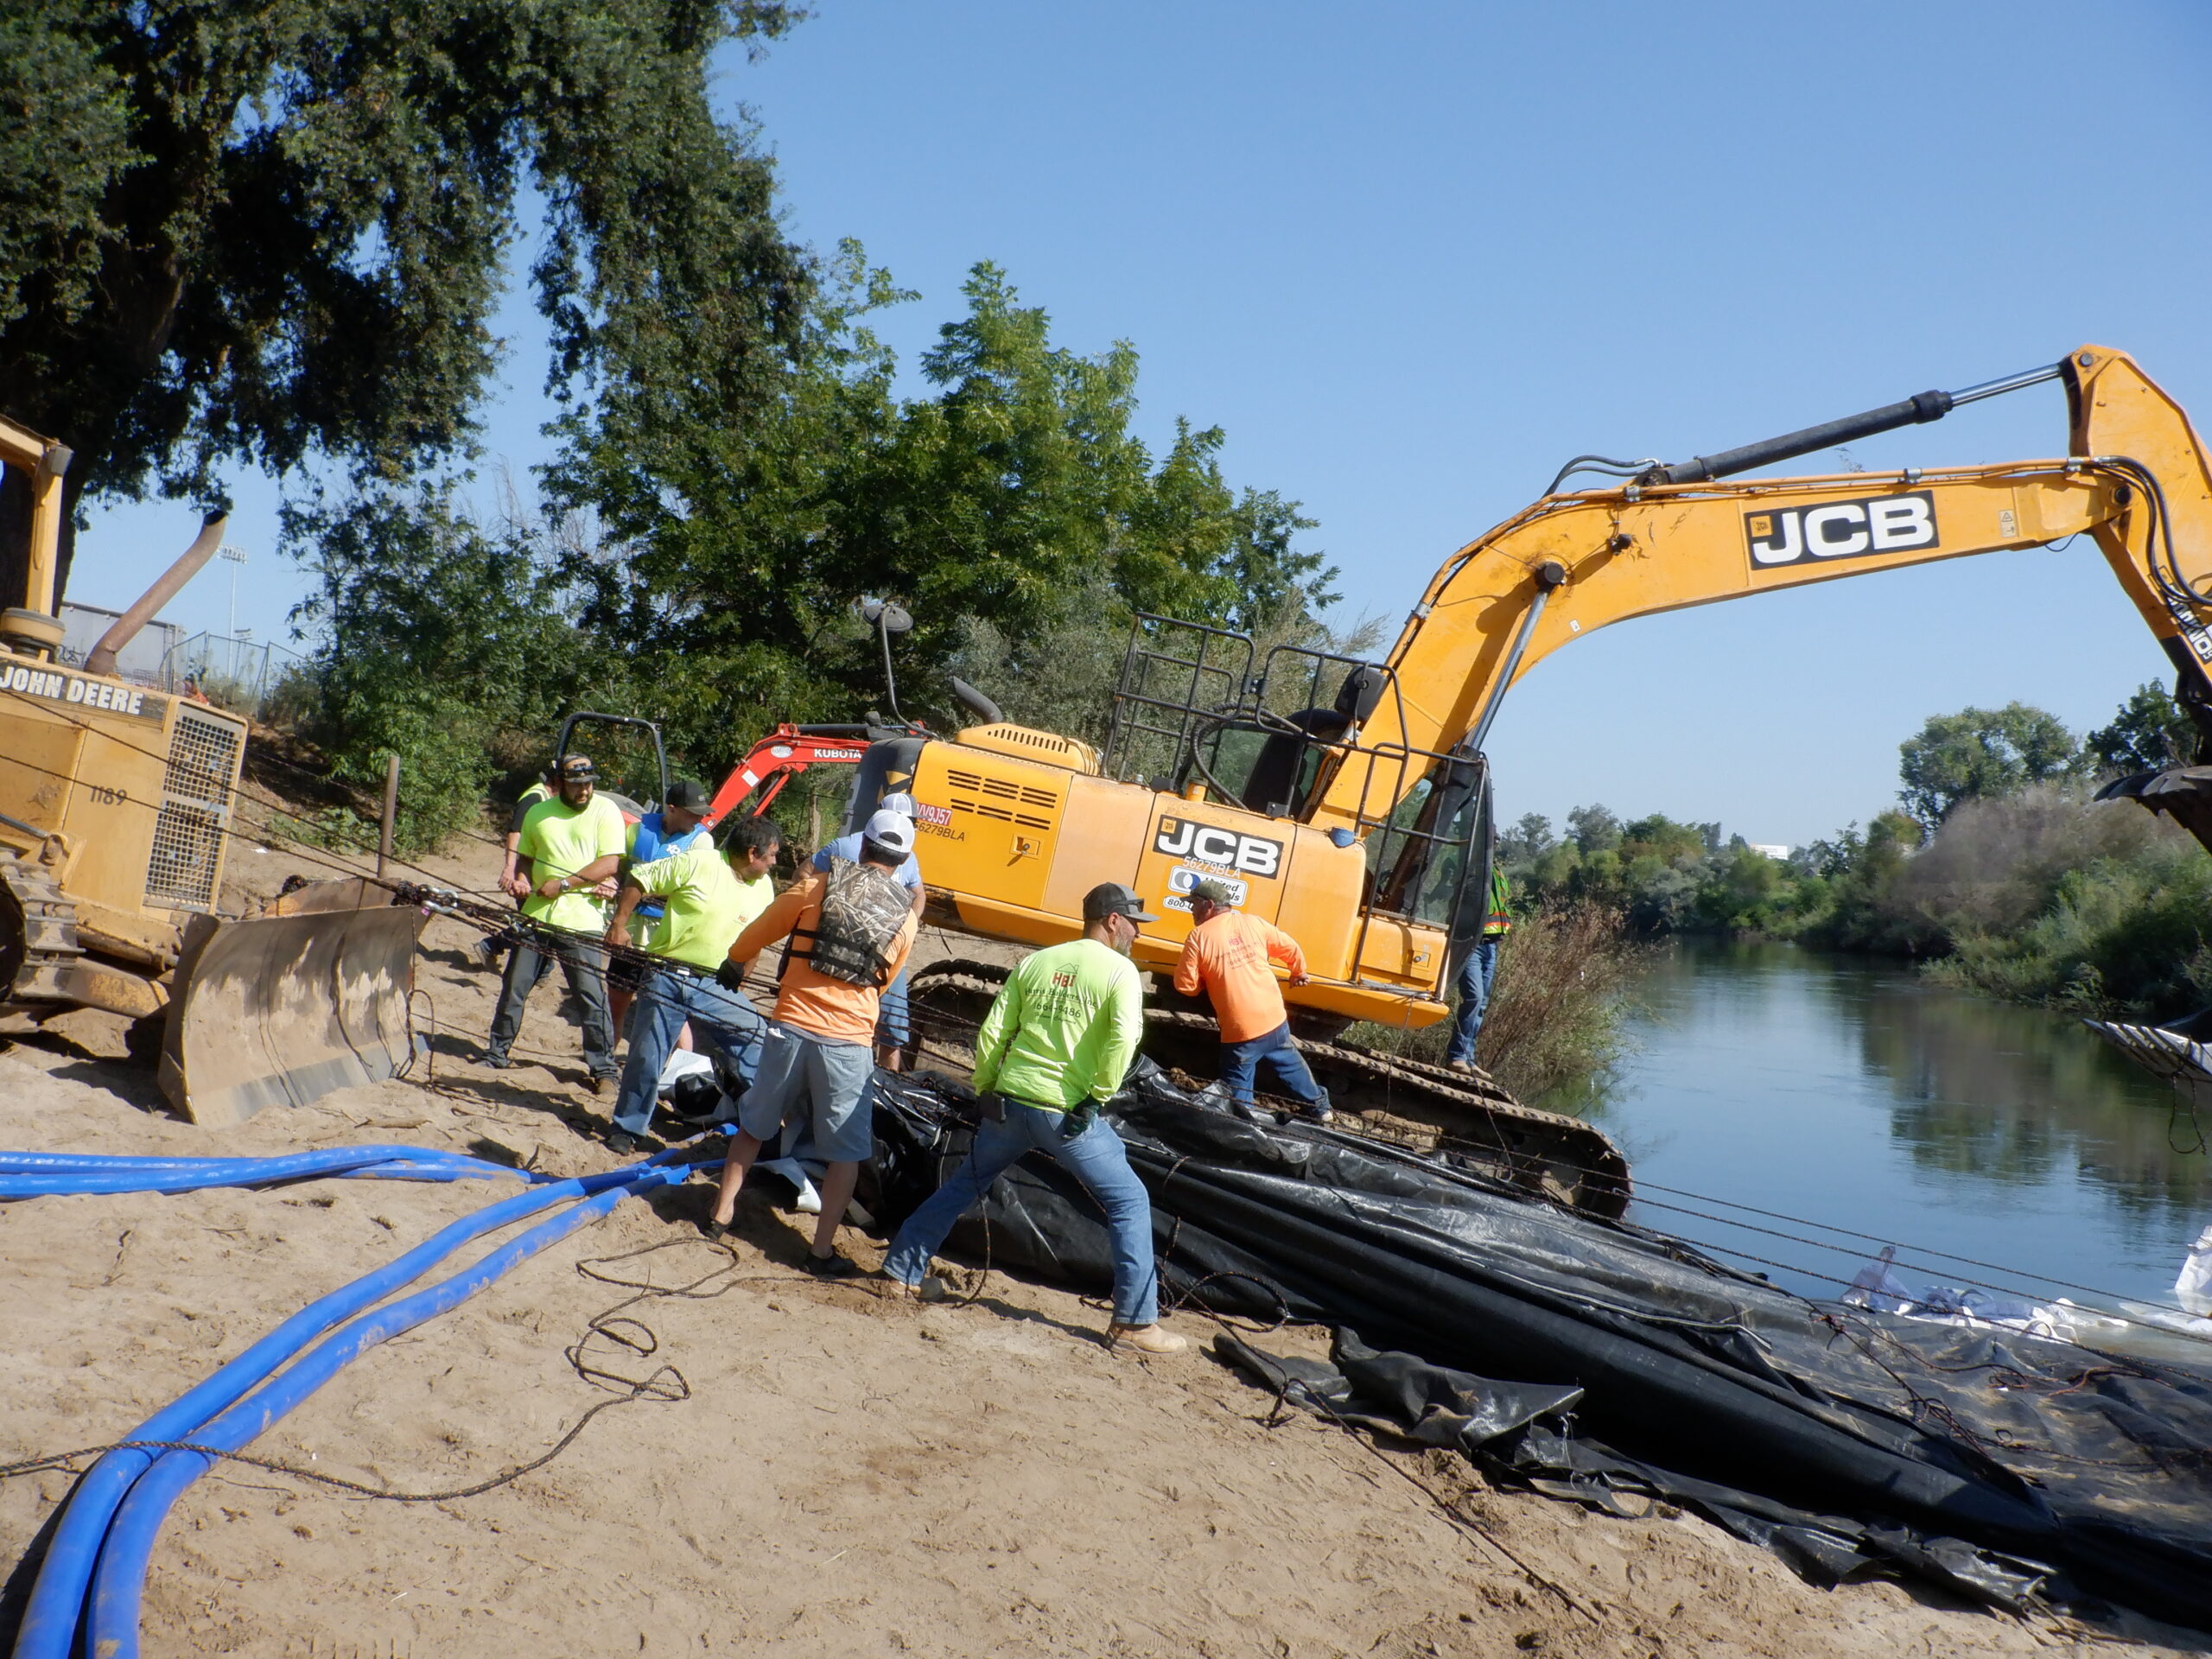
(1112, 898)
(578, 766)
(689, 797)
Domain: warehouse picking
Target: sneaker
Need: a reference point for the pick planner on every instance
(621, 1142)
(1319, 1111)
(835, 1265)
(1145, 1338)
(715, 1231)
(497, 1062)
(932, 1289)
(1467, 1066)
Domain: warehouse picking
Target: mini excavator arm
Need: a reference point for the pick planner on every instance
(2136, 479)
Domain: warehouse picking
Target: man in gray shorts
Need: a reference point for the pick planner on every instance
(818, 1050)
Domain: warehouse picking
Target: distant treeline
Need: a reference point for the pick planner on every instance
(2000, 869)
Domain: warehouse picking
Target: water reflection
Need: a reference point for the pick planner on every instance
(1851, 1092)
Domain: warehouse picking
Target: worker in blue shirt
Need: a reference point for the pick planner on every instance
(891, 1009)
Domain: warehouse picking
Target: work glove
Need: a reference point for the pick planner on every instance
(1076, 1121)
(730, 976)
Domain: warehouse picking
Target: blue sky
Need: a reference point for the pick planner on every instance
(1412, 256)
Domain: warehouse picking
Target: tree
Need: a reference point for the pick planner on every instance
(1007, 506)
(272, 229)
(1978, 754)
(2149, 733)
(1526, 841)
(1593, 828)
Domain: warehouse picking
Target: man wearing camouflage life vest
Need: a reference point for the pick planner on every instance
(850, 930)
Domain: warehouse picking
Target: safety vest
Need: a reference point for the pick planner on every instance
(1496, 921)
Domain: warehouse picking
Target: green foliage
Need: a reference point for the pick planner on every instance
(267, 230)
(1979, 753)
(443, 644)
(2150, 732)
(1011, 503)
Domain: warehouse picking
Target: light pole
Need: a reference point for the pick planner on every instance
(236, 556)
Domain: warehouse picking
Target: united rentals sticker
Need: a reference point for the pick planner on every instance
(1841, 530)
(1184, 877)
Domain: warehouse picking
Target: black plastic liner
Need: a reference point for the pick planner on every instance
(2000, 1465)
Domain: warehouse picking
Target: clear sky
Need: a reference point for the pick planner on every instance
(1414, 256)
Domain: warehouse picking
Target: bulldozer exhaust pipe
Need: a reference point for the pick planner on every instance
(102, 659)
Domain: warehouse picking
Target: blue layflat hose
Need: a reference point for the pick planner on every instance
(49, 1626)
(119, 1587)
(28, 1175)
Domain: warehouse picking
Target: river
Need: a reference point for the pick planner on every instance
(1848, 1091)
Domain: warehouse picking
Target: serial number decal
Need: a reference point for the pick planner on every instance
(926, 813)
(1841, 530)
(103, 796)
(1210, 844)
(90, 694)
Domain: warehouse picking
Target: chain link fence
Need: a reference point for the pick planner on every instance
(252, 677)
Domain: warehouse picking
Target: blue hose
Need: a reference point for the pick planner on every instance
(49, 1626)
(27, 1175)
(120, 1586)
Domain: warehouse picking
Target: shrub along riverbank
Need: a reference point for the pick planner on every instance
(2003, 876)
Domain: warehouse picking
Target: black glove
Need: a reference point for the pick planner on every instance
(730, 975)
(1075, 1122)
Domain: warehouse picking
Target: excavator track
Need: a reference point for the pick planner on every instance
(1409, 1103)
(39, 947)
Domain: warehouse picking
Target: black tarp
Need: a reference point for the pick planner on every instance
(1841, 1438)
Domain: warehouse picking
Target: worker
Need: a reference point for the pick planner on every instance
(655, 835)
(857, 927)
(891, 1027)
(708, 897)
(1227, 954)
(492, 945)
(1477, 972)
(573, 842)
(1054, 1046)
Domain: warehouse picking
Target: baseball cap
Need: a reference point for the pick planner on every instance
(902, 804)
(1112, 898)
(578, 766)
(1215, 893)
(688, 796)
(892, 833)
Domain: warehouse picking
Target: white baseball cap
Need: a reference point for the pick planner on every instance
(891, 832)
(902, 804)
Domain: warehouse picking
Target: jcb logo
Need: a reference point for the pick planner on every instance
(1180, 838)
(1841, 530)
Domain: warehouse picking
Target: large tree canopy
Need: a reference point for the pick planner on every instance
(269, 230)
(1978, 754)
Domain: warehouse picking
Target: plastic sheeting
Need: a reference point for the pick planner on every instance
(1998, 1463)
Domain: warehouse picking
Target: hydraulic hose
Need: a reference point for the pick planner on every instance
(119, 1585)
(50, 1625)
(30, 1175)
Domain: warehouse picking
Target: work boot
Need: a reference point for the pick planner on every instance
(1467, 1066)
(1145, 1338)
(496, 1062)
(932, 1289)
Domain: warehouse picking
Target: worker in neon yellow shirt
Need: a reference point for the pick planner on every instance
(1056, 1044)
(571, 844)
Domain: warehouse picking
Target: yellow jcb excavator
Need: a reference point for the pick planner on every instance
(117, 805)
(1349, 802)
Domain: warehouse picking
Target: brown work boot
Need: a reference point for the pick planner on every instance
(1145, 1338)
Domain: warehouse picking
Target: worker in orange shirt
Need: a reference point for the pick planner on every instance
(1229, 955)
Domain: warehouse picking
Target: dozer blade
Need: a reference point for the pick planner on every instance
(282, 1007)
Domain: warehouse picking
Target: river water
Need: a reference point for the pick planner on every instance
(1849, 1092)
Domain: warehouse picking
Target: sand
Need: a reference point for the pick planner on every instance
(851, 1473)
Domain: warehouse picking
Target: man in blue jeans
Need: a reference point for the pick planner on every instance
(1477, 972)
(1055, 1043)
(708, 895)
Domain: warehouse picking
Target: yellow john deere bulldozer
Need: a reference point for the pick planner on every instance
(1350, 802)
(117, 802)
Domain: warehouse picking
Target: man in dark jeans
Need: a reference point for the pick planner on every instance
(573, 842)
